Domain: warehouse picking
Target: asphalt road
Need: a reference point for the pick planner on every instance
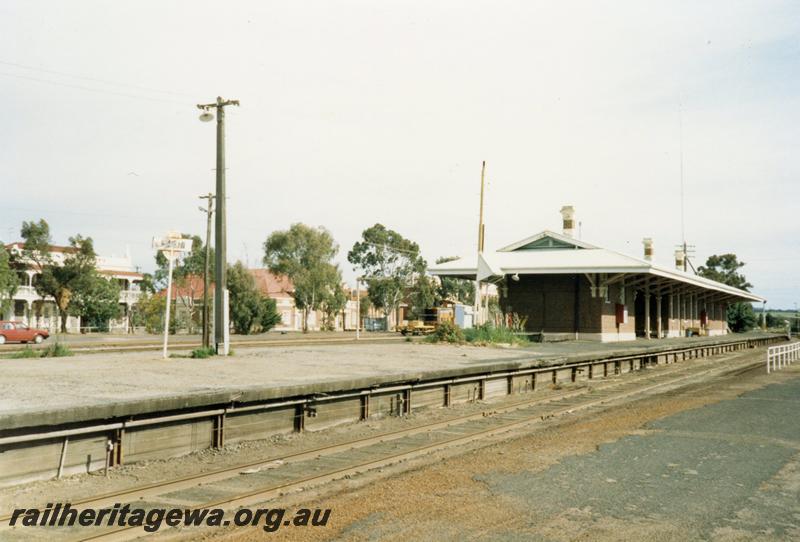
(731, 467)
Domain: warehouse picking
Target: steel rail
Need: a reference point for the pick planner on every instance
(184, 346)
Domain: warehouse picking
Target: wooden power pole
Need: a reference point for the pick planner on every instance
(220, 239)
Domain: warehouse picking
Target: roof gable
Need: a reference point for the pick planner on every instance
(546, 240)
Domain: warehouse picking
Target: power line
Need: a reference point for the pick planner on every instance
(93, 79)
(85, 213)
(96, 90)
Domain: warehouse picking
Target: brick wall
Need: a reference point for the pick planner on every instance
(548, 301)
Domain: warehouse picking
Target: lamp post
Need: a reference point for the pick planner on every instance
(221, 331)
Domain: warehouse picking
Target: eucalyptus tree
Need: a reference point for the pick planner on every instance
(305, 254)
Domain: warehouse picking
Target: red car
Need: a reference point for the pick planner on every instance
(20, 333)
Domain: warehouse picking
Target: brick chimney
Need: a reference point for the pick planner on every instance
(568, 214)
(648, 249)
(680, 257)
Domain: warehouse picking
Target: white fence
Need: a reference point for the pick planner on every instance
(782, 355)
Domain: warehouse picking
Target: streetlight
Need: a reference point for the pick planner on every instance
(221, 331)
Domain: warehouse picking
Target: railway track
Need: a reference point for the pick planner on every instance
(272, 476)
(147, 346)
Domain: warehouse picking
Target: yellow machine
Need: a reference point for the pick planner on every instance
(416, 327)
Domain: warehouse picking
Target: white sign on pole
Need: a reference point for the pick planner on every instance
(172, 246)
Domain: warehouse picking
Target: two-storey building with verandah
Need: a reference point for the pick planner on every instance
(29, 307)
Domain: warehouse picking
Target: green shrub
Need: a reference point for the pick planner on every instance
(446, 332)
(481, 335)
(26, 352)
(56, 350)
(202, 353)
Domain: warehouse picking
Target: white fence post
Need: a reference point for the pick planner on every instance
(781, 356)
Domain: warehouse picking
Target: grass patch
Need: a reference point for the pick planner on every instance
(489, 334)
(203, 353)
(483, 335)
(56, 350)
(26, 352)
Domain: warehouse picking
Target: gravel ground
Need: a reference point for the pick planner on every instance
(708, 463)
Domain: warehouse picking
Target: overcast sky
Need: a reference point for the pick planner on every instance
(381, 111)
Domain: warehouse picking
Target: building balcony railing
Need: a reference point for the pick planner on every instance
(29, 293)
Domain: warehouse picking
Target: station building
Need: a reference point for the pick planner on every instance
(561, 288)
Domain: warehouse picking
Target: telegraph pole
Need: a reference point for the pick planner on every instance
(220, 272)
(206, 262)
(477, 318)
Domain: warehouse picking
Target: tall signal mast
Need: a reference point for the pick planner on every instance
(683, 246)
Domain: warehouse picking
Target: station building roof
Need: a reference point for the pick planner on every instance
(549, 253)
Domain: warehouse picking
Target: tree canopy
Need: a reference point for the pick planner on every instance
(97, 302)
(724, 268)
(305, 255)
(391, 266)
(9, 281)
(250, 310)
(455, 289)
(37, 242)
